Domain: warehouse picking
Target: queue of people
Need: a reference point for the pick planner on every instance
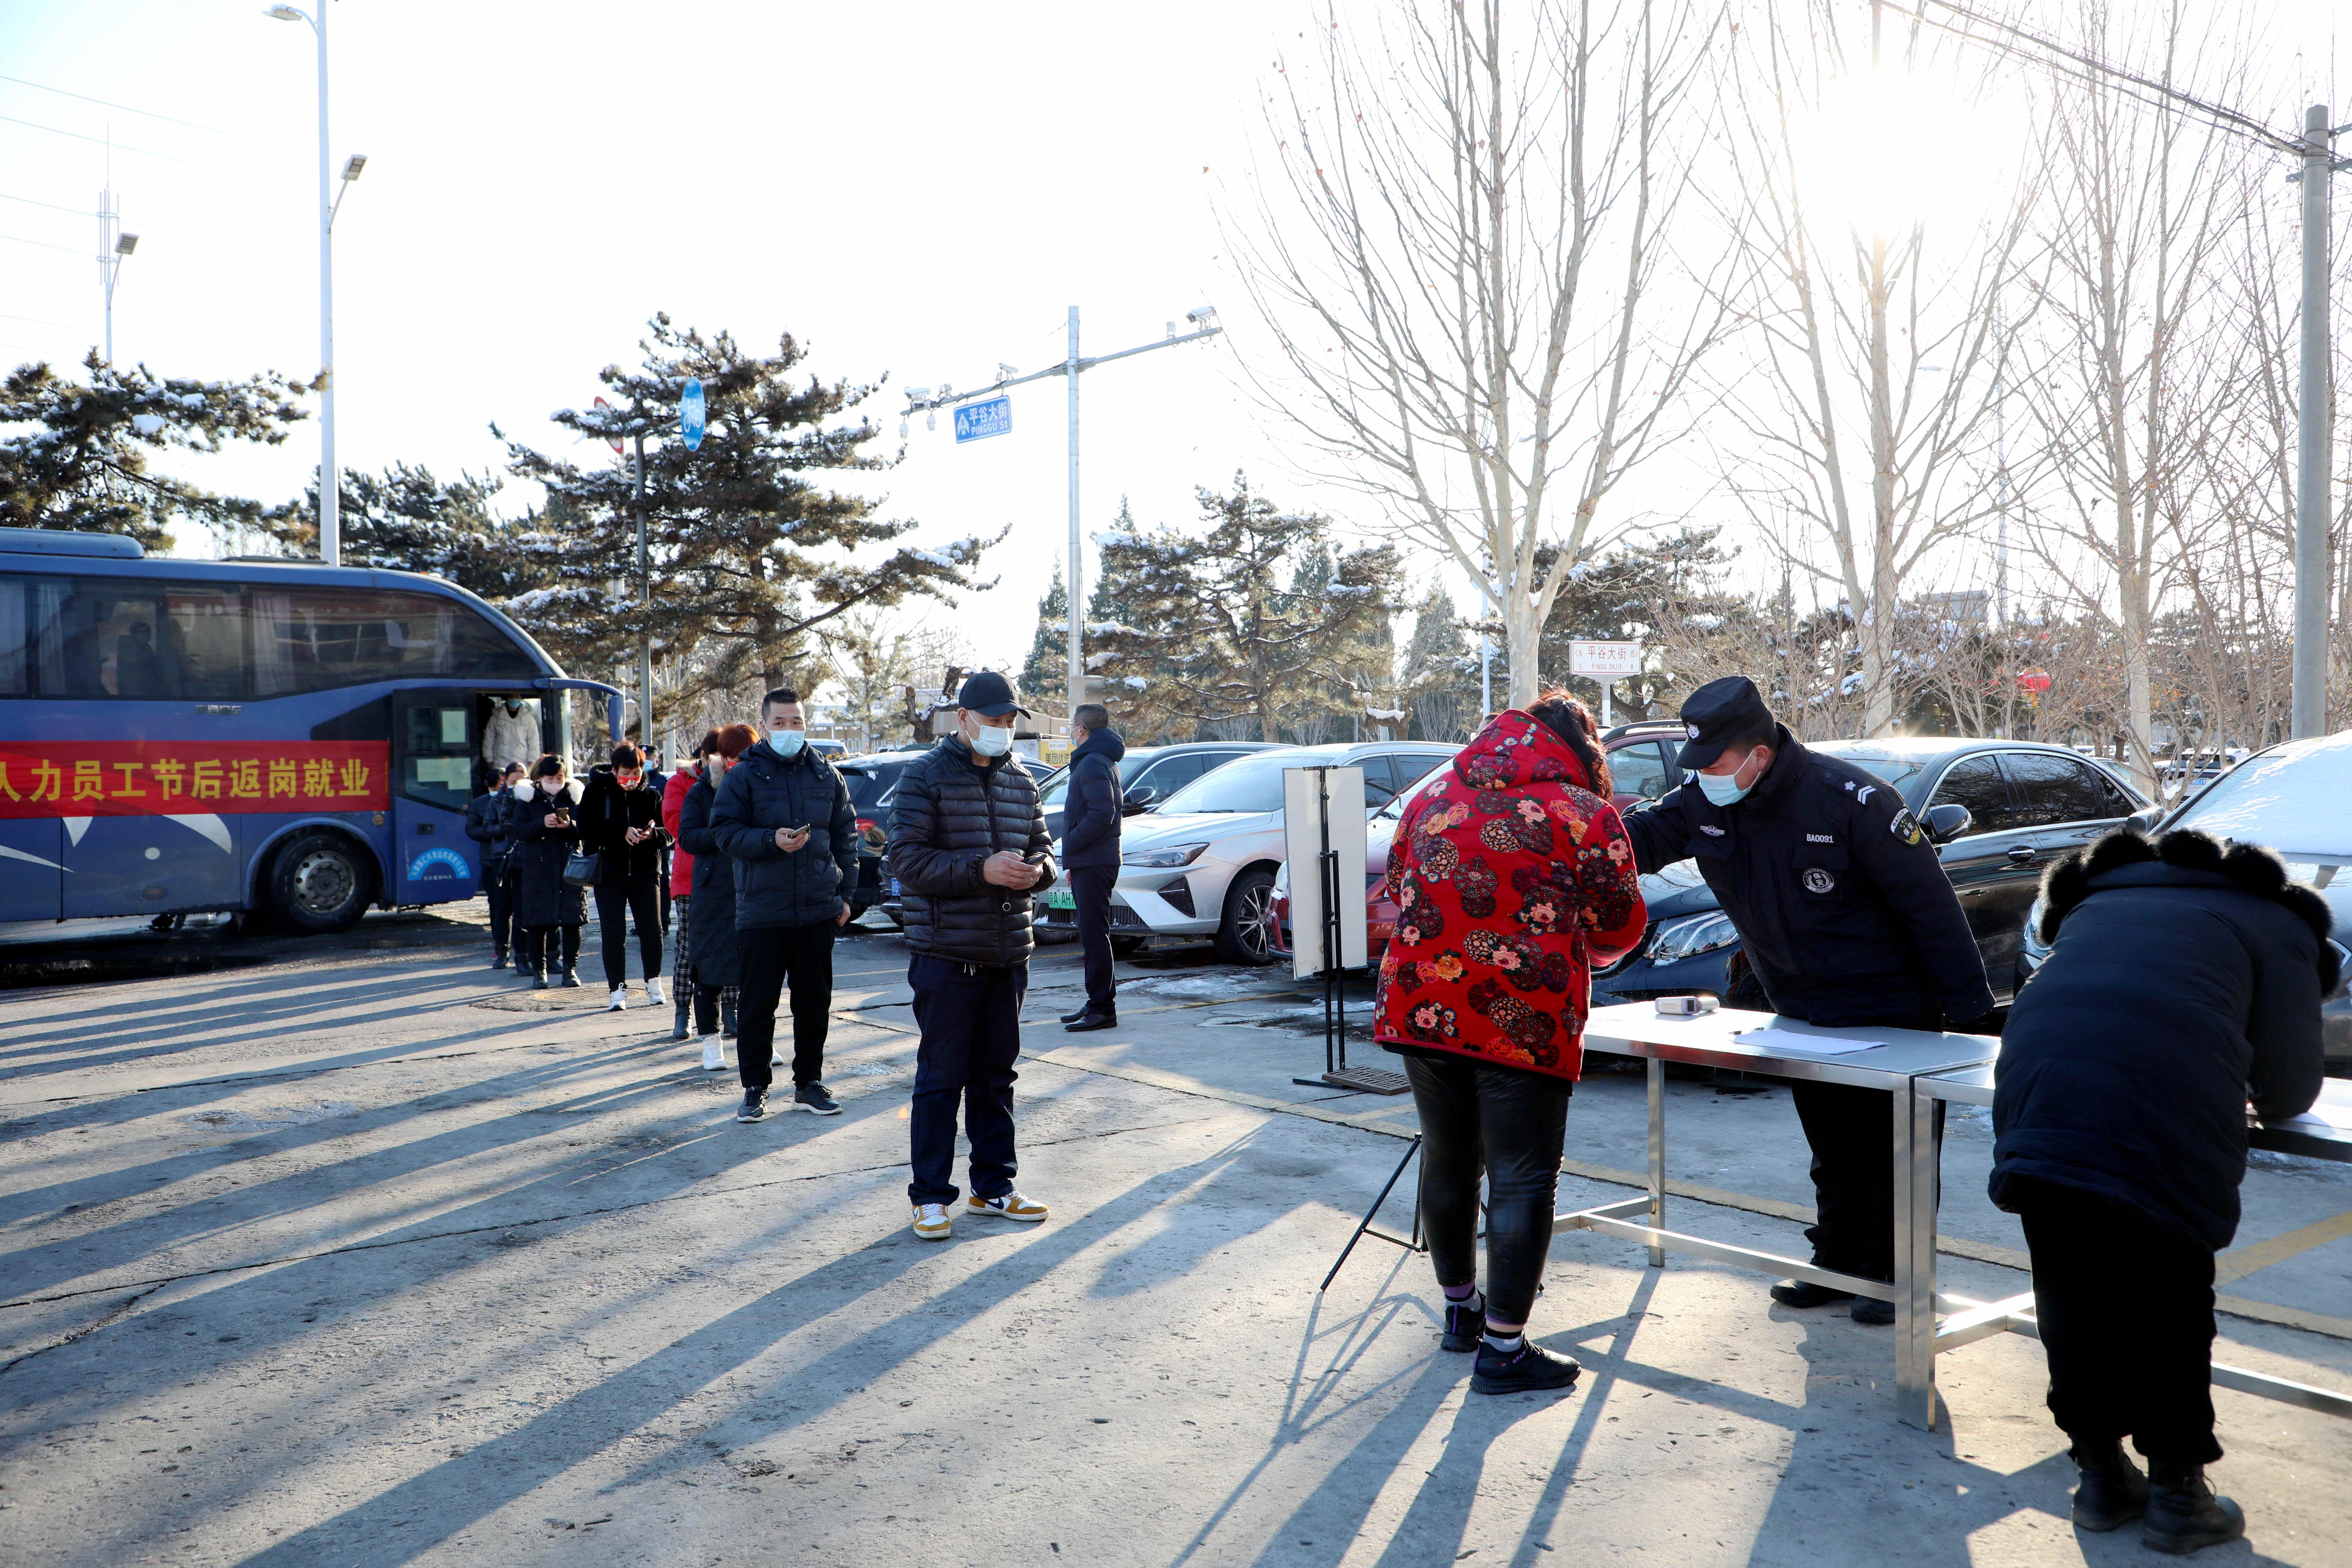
(2185, 977)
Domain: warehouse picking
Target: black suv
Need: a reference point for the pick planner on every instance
(870, 780)
(2026, 803)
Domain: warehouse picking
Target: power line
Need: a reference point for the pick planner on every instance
(45, 245)
(127, 109)
(105, 142)
(53, 207)
(44, 321)
(2173, 97)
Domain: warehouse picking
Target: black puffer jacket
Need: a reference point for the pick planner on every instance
(607, 814)
(539, 852)
(2184, 977)
(949, 814)
(763, 792)
(710, 914)
(1091, 814)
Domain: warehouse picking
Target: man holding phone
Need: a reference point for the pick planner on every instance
(784, 819)
(969, 847)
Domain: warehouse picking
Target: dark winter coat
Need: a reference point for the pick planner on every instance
(1843, 906)
(2185, 977)
(605, 815)
(950, 814)
(539, 852)
(765, 790)
(1090, 814)
(710, 904)
(486, 824)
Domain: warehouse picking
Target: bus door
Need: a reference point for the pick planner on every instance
(32, 867)
(436, 738)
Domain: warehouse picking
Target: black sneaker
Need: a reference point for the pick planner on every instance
(1074, 1017)
(538, 982)
(812, 1097)
(500, 960)
(754, 1106)
(1465, 1325)
(570, 979)
(1871, 1310)
(1805, 1293)
(1526, 1370)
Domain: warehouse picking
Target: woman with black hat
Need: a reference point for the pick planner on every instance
(2184, 979)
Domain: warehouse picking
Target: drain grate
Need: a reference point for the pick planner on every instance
(1368, 1080)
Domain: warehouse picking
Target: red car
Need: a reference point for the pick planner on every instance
(1640, 765)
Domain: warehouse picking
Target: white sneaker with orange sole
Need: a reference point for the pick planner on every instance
(931, 1221)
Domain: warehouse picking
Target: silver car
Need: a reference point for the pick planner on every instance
(1202, 865)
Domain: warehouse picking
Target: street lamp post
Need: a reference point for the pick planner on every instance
(113, 246)
(330, 543)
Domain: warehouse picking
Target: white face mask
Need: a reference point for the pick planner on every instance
(991, 740)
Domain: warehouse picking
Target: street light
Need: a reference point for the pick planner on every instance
(330, 543)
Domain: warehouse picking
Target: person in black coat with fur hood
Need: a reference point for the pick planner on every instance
(2185, 976)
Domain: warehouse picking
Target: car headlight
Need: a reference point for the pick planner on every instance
(2032, 948)
(1692, 935)
(1165, 855)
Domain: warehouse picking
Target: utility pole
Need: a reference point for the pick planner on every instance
(331, 479)
(113, 246)
(2314, 418)
(645, 603)
(919, 399)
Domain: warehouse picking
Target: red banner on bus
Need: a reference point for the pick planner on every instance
(187, 778)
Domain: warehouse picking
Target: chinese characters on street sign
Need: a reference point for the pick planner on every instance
(978, 421)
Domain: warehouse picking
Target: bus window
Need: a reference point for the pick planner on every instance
(436, 760)
(111, 637)
(316, 638)
(15, 665)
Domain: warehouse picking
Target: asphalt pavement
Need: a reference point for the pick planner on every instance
(357, 1252)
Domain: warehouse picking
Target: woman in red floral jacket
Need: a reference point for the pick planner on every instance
(1513, 877)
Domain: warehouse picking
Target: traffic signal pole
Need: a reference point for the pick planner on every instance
(1073, 366)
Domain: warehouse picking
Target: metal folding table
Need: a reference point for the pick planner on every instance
(1898, 1059)
(2325, 1134)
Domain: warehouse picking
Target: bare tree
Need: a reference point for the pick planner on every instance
(2137, 375)
(1464, 281)
(1864, 400)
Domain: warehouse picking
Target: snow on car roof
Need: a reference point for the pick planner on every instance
(2296, 798)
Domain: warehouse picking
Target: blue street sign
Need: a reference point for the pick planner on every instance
(693, 418)
(978, 421)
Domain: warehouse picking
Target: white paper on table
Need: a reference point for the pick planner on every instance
(2336, 1117)
(1811, 1045)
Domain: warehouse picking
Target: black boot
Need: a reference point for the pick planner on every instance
(500, 960)
(2112, 1492)
(678, 1024)
(2183, 1514)
(1805, 1293)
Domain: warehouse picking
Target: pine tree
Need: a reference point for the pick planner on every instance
(86, 464)
(1227, 640)
(749, 554)
(405, 519)
(1048, 665)
(1624, 596)
(1441, 670)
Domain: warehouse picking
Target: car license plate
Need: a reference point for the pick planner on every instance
(1060, 899)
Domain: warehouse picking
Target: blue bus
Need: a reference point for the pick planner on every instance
(275, 737)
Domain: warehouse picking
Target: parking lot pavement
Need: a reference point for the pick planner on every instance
(374, 1259)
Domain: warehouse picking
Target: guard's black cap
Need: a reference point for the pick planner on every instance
(1718, 714)
(987, 692)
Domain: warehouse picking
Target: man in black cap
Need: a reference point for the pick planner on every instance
(1847, 919)
(968, 849)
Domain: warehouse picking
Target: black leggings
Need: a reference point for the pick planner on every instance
(615, 901)
(1513, 1124)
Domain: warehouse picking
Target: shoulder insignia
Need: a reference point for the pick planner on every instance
(1862, 796)
(1849, 787)
(1821, 838)
(1710, 829)
(1906, 827)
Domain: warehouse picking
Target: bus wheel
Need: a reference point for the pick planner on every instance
(319, 882)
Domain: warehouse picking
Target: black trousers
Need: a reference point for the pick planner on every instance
(970, 1015)
(2126, 1310)
(1090, 887)
(542, 951)
(617, 899)
(502, 901)
(767, 957)
(1511, 1124)
(1851, 1133)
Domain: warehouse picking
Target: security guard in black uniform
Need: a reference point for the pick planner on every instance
(1847, 919)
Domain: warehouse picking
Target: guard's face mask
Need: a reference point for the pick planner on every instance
(1725, 789)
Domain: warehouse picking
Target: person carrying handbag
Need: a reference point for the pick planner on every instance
(548, 911)
(620, 822)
